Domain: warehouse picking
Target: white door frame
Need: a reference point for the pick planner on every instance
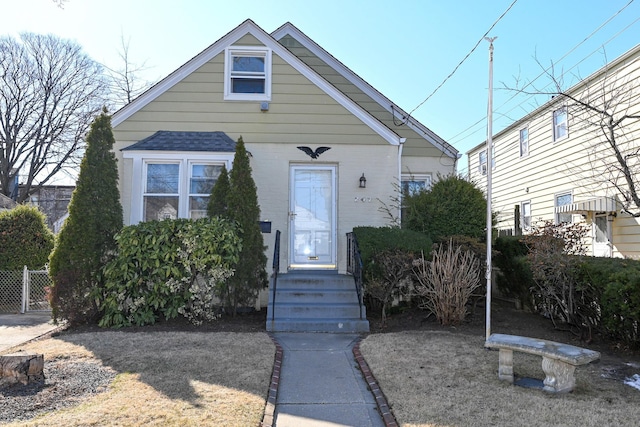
(603, 249)
(313, 260)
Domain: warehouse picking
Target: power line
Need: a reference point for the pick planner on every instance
(465, 58)
(547, 69)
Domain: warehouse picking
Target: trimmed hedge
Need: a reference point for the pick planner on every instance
(372, 240)
(24, 239)
(616, 283)
(606, 295)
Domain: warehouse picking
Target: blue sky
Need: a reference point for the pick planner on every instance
(404, 48)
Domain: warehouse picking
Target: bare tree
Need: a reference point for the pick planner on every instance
(125, 81)
(607, 107)
(50, 91)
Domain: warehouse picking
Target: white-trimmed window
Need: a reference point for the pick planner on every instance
(202, 178)
(247, 74)
(563, 199)
(482, 162)
(524, 142)
(173, 185)
(560, 123)
(414, 184)
(161, 195)
(525, 211)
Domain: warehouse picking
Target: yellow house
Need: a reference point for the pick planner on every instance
(328, 151)
(574, 159)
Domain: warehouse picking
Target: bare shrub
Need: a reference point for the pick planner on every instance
(446, 284)
(554, 253)
(393, 278)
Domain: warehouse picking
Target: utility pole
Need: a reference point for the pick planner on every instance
(489, 173)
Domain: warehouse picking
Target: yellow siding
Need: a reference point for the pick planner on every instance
(299, 114)
(568, 165)
(415, 145)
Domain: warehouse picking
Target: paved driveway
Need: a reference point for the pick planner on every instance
(16, 329)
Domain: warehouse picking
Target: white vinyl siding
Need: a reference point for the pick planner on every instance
(572, 164)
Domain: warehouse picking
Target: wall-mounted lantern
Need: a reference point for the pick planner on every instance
(363, 181)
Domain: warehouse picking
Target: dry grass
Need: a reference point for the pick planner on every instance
(444, 379)
(167, 378)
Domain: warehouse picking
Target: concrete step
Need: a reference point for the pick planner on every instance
(301, 295)
(318, 325)
(318, 310)
(315, 302)
(309, 281)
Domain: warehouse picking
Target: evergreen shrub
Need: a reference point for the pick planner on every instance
(453, 206)
(168, 268)
(25, 239)
(514, 279)
(86, 241)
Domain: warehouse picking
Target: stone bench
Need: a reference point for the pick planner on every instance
(559, 360)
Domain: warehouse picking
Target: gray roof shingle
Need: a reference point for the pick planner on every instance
(166, 140)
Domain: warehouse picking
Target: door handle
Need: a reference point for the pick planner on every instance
(291, 215)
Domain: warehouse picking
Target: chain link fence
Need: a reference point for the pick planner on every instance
(22, 291)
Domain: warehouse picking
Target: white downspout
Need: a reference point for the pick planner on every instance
(402, 141)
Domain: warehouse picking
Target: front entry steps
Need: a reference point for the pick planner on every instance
(315, 302)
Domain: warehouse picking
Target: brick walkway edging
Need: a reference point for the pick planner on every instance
(270, 407)
(381, 400)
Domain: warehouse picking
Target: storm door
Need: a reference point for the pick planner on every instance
(312, 217)
(601, 238)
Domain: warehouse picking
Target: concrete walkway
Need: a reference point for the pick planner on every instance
(16, 329)
(321, 384)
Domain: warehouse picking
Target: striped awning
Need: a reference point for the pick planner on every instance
(599, 204)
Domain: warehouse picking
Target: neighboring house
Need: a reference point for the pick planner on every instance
(279, 91)
(555, 163)
(53, 201)
(6, 203)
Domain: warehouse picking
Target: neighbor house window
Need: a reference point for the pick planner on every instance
(201, 181)
(248, 74)
(414, 184)
(482, 162)
(525, 209)
(563, 200)
(524, 142)
(560, 124)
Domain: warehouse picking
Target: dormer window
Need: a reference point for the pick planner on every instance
(247, 74)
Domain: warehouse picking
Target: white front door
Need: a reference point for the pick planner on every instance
(312, 217)
(601, 236)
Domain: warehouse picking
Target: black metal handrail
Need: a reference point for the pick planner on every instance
(354, 267)
(274, 274)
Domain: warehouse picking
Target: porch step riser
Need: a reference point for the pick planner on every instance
(324, 311)
(346, 326)
(338, 285)
(313, 297)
